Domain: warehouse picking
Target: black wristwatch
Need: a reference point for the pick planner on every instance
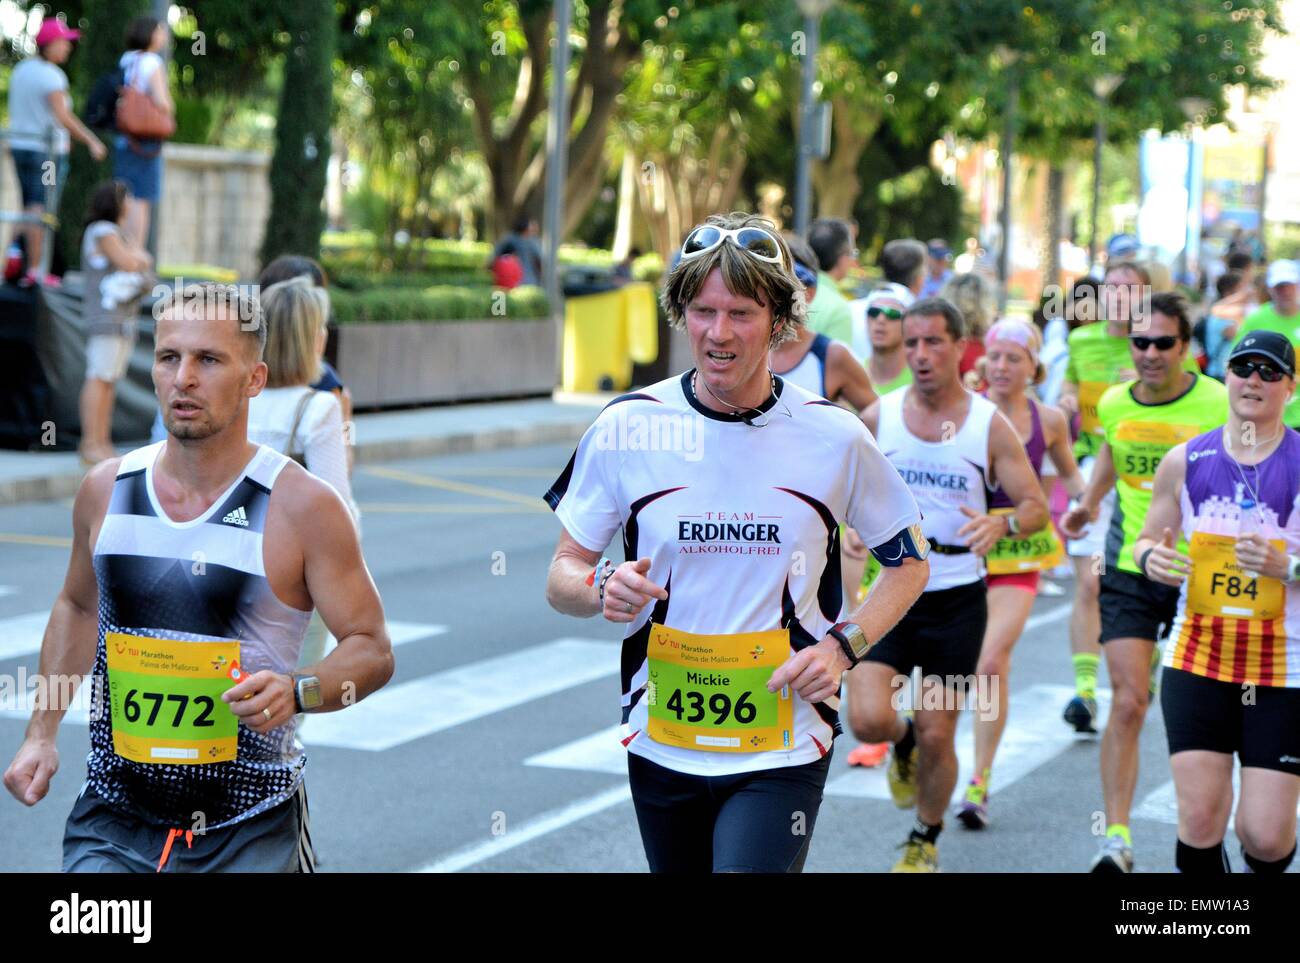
(306, 693)
(852, 640)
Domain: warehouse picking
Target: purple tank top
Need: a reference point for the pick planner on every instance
(1213, 481)
(1035, 447)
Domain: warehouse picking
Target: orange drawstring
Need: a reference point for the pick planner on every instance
(173, 834)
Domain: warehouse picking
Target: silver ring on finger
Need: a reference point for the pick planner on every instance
(267, 713)
(630, 608)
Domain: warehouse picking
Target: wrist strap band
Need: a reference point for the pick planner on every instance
(605, 570)
(1142, 560)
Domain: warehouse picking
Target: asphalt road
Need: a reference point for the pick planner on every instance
(493, 747)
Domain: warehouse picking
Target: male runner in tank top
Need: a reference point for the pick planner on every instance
(951, 446)
(1141, 421)
(195, 566)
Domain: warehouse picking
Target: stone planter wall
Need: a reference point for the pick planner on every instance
(421, 362)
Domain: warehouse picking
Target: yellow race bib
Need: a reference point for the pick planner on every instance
(1026, 552)
(1218, 586)
(709, 692)
(165, 699)
(1138, 447)
(1090, 393)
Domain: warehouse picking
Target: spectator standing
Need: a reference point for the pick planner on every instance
(138, 161)
(976, 300)
(115, 279)
(521, 243)
(940, 259)
(41, 117)
(832, 241)
(289, 415)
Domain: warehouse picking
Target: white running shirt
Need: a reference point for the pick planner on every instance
(741, 525)
(942, 476)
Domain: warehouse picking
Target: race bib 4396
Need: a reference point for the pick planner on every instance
(709, 692)
(165, 699)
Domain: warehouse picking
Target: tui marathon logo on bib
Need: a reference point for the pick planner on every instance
(729, 533)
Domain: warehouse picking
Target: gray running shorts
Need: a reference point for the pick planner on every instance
(100, 838)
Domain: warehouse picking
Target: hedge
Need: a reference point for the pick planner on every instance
(437, 303)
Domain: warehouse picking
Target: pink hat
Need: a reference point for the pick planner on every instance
(53, 29)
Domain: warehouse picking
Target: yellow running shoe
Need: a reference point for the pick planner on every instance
(918, 857)
(901, 776)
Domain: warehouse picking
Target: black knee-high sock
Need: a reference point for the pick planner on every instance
(1211, 860)
(1257, 865)
(925, 832)
(903, 747)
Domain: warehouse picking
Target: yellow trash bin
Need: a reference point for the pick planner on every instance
(605, 333)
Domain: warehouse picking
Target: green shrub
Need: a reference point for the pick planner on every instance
(437, 303)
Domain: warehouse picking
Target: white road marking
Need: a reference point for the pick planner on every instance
(599, 752)
(1161, 804)
(401, 633)
(530, 830)
(432, 703)
(1034, 735)
(21, 635)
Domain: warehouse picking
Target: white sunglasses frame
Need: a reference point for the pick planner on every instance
(725, 235)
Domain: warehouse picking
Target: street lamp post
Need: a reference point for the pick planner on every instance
(1008, 58)
(1193, 109)
(557, 161)
(812, 11)
(1102, 87)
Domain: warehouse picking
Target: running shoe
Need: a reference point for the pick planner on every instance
(1116, 856)
(1080, 713)
(974, 809)
(869, 754)
(918, 857)
(901, 776)
(1050, 589)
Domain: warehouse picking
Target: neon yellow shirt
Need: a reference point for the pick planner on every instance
(1139, 436)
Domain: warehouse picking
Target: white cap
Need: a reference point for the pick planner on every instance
(1283, 272)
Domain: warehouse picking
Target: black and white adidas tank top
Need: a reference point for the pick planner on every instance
(196, 581)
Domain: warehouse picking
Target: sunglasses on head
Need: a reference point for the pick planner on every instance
(752, 240)
(893, 314)
(1267, 372)
(1163, 343)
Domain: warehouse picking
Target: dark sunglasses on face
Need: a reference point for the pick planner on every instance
(893, 314)
(1163, 343)
(1267, 372)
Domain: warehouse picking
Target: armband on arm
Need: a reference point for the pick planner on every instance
(909, 543)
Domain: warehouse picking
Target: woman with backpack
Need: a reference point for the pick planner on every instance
(138, 160)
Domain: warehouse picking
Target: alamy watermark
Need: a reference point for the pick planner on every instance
(623, 430)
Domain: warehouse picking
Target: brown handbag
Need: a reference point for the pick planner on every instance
(138, 115)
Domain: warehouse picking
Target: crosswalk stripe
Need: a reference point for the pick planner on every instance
(538, 826)
(1161, 804)
(401, 633)
(599, 752)
(21, 635)
(1034, 735)
(432, 703)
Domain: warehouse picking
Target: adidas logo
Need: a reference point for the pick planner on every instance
(237, 517)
